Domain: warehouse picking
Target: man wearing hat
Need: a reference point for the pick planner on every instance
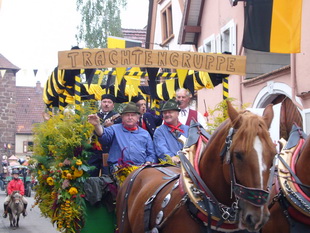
(166, 136)
(107, 117)
(128, 143)
(147, 120)
(16, 184)
(106, 113)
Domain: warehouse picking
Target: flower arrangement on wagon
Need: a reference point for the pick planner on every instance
(62, 146)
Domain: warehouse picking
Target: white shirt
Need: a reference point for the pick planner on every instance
(183, 115)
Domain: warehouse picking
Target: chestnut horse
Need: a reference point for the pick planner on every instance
(290, 207)
(229, 184)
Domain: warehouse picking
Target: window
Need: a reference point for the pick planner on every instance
(27, 146)
(307, 121)
(166, 24)
(209, 44)
(227, 39)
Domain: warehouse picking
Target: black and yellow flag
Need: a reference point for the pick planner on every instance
(273, 25)
(119, 42)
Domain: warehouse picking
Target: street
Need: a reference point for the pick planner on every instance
(32, 223)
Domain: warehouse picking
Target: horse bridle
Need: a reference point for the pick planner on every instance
(255, 196)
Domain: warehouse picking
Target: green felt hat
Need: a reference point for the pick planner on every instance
(171, 105)
(131, 107)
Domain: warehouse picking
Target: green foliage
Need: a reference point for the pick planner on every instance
(219, 114)
(99, 19)
(62, 146)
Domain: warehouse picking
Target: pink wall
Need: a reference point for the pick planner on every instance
(216, 15)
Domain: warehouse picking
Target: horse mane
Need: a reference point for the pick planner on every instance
(248, 125)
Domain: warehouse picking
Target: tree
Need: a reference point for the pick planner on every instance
(99, 19)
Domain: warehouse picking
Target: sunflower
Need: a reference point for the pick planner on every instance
(77, 173)
(50, 181)
(73, 191)
(78, 162)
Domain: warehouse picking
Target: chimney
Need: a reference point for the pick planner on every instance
(38, 87)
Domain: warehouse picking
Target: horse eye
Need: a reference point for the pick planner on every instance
(238, 156)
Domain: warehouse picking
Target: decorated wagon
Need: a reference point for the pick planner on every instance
(64, 142)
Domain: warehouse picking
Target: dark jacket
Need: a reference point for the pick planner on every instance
(151, 122)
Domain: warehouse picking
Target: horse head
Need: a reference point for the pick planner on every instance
(16, 197)
(247, 153)
(249, 159)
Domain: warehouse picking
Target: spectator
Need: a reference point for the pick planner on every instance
(15, 184)
(129, 143)
(147, 120)
(183, 96)
(166, 136)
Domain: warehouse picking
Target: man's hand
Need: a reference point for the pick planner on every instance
(108, 122)
(93, 119)
(175, 159)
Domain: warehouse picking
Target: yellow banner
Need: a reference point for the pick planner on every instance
(139, 57)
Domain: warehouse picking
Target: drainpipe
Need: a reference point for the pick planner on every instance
(241, 50)
(294, 81)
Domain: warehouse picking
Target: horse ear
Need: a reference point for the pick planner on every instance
(232, 112)
(268, 115)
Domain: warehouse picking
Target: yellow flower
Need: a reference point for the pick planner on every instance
(60, 164)
(53, 195)
(77, 173)
(64, 174)
(73, 191)
(78, 162)
(50, 181)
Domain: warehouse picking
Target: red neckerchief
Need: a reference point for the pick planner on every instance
(130, 128)
(143, 125)
(174, 128)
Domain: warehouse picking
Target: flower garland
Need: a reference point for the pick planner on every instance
(62, 146)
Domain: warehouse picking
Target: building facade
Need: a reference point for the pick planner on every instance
(217, 27)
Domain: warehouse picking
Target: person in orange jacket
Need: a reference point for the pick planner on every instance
(15, 184)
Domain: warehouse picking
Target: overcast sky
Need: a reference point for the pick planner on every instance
(33, 31)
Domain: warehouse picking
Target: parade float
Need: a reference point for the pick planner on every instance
(64, 141)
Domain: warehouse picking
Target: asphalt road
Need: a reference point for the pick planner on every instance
(32, 223)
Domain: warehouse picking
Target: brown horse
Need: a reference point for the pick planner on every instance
(290, 207)
(227, 192)
(15, 208)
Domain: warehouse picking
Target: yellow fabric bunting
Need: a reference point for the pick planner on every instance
(181, 76)
(205, 78)
(120, 71)
(159, 90)
(170, 87)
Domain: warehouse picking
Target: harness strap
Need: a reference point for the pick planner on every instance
(149, 203)
(195, 177)
(125, 202)
(167, 172)
(199, 183)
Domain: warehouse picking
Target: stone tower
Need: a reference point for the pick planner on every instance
(7, 107)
